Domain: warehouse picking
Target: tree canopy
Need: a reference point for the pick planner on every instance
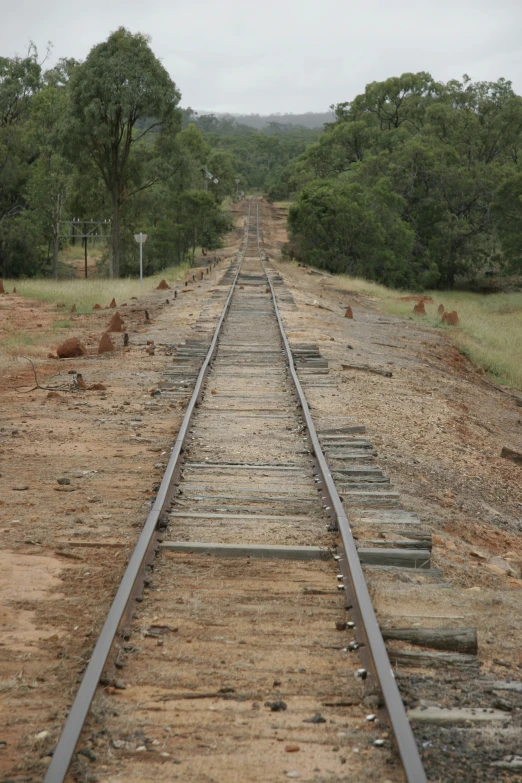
(442, 158)
(120, 83)
(103, 139)
(261, 157)
(413, 183)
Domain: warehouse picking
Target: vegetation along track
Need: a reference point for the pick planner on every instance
(234, 668)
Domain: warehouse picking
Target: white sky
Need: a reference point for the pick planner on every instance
(289, 55)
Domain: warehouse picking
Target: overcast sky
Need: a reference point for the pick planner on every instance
(284, 55)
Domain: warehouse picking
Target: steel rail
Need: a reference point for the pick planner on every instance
(130, 583)
(359, 602)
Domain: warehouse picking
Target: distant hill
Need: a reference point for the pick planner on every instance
(260, 121)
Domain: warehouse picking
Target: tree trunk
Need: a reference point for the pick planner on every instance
(115, 261)
(56, 233)
(56, 245)
(452, 264)
(451, 275)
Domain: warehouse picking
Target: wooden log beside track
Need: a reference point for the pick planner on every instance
(462, 640)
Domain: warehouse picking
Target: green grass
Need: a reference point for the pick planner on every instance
(489, 330)
(86, 293)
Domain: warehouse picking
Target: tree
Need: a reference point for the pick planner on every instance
(507, 211)
(399, 100)
(258, 157)
(50, 175)
(444, 150)
(120, 94)
(348, 228)
(19, 81)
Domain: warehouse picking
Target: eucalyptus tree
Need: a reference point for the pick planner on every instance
(122, 102)
(449, 154)
(50, 176)
(20, 79)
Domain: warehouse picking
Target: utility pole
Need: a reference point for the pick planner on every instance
(91, 229)
(141, 239)
(206, 177)
(85, 246)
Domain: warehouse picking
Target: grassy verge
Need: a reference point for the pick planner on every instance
(86, 293)
(489, 330)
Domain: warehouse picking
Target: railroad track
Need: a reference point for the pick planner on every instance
(243, 629)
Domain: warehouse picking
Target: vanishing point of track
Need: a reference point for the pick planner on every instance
(247, 482)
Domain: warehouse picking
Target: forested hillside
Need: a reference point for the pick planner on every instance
(261, 157)
(103, 140)
(414, 184)
(312, 120)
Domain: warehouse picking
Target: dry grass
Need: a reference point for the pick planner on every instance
(86, 293)
(490, 325)
(15, 343)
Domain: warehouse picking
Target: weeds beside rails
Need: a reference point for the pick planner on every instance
(489, 330)
(86, 293)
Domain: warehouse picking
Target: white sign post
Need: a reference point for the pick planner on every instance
(141, 239)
